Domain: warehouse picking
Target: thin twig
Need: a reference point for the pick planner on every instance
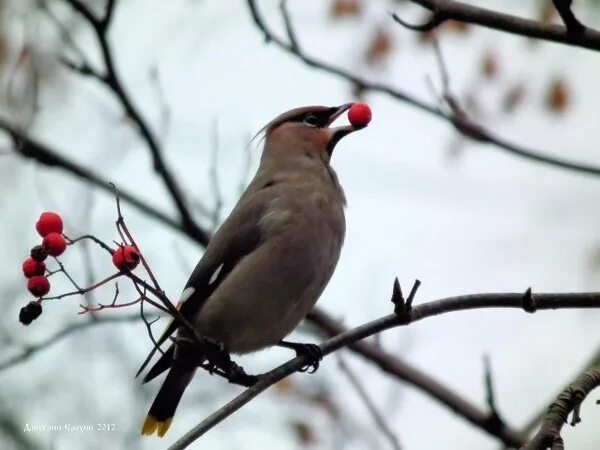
(122, 228)
(574, 26)
(372, 408)
(30, 350)
(113, 81)
(81, 291)
(111, 305)
(433, 22)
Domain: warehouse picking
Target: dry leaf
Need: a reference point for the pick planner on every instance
(345, 8)
(379, 48)
(284, 387)
(304, 432)
(454, 26)
(557, 96)
(489, 65)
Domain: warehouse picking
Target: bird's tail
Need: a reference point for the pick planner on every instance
(161, 412)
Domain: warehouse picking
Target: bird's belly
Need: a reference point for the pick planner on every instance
(268, 293)
(259, 330)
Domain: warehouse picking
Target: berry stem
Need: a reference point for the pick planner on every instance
(87, 289)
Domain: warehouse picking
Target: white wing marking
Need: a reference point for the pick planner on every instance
(215, 274)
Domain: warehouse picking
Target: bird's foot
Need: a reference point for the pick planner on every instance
(312, 352)
(237, 375)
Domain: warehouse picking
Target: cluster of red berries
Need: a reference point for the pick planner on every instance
(50, 227)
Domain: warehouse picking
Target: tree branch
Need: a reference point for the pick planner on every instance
(112, 80)
(468, 129)
(574, 33)
(574, 26)
(370, 404)
(568, 401)
(31, 349)
(397, 367)
(29, 148)
(420, 312)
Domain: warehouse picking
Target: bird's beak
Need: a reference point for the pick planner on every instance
(337, 133)
(337, 112)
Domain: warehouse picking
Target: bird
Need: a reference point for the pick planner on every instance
(270, 260)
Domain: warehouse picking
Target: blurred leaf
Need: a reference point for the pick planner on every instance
(557, 96)
(489, 65)
(284, 387)
(304, 432)
(379, 48)
(345, 8)
(454, 26)
(325, 402)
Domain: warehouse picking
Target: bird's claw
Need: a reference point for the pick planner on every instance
(237, 375)
(311, 351)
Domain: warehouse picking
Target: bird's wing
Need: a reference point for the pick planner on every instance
(238, 236)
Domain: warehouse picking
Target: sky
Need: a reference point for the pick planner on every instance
(478, 221)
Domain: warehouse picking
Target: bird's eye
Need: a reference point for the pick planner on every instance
(311, 120)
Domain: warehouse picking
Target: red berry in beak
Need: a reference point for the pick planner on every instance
(359, 115)
(31, 268)
(54, 244)
(126, 257)
(38, 286)
(49, 222)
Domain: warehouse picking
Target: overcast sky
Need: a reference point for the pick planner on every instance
(483, 221)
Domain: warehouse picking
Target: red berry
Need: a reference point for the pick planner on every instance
(359, 115)
(54, 244)
(49, 222)
(38, 285)
(31, 268)
(126, 257)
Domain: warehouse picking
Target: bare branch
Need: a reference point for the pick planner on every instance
(108, 13)
(112, 80)
(574, 26)
(85, 12)
(29, 148)
(289, 28)
(568, 401)
(433, 22)
(31, 349)
(375, 413)
(420, 312)
(572, 34)
(395, 366)
(494, 415)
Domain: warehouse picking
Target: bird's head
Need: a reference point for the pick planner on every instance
(306, 131)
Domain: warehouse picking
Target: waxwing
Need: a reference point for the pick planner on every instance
(269, 262)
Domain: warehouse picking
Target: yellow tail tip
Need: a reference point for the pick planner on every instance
(151, 425)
